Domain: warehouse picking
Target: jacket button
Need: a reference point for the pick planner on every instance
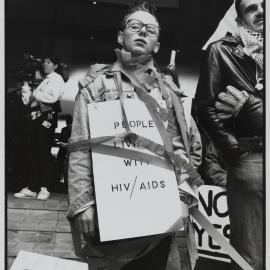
(236, 51)
(129, 95)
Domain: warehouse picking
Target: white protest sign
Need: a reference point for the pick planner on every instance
(133, 198)
(213, 204)
(34, 261)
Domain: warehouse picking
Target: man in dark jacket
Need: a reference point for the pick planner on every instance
(233, 70)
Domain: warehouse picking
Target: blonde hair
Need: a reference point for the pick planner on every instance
(144, 6)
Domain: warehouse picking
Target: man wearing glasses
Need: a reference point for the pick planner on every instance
(139, 40)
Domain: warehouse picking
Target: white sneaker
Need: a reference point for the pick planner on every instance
(44, 194)
(25, 193)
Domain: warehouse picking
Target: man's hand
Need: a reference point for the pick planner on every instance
(230, 102)
(84, 221)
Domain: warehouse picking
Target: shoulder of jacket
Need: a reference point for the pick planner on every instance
(58, 77)
(93, 73)
(228, 40)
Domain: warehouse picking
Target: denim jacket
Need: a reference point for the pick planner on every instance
(99, 86)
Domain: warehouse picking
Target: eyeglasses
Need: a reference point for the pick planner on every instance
(136, 26)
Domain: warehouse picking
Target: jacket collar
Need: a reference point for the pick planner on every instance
(229, 38)
(125, 62)
(237, 45)
(50, 75)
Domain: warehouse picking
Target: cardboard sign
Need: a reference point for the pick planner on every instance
(133, 198)
(213, 204)
(34, 261)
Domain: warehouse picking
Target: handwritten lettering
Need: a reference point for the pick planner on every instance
(213, 202)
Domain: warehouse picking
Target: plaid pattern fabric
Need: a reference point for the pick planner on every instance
(257, 35)
(253, 42)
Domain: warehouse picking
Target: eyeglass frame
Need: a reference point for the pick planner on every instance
(143, 24)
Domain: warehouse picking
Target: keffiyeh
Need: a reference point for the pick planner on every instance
(253, 42)
(253, 47)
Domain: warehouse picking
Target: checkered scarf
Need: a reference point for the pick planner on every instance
(253, 42)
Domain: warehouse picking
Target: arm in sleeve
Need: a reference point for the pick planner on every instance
(50, 90)
(26, 94)
(195, 149)
(250, 120)
(209, 86)
(80, 175)
(195, 144)
(214, 168)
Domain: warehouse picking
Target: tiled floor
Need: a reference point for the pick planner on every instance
(39, 226)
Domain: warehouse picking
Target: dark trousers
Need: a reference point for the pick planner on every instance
(39, 158)
(156, 259)
(245, 203)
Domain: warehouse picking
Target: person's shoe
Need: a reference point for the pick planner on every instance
(25, 193)
(44, 194)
